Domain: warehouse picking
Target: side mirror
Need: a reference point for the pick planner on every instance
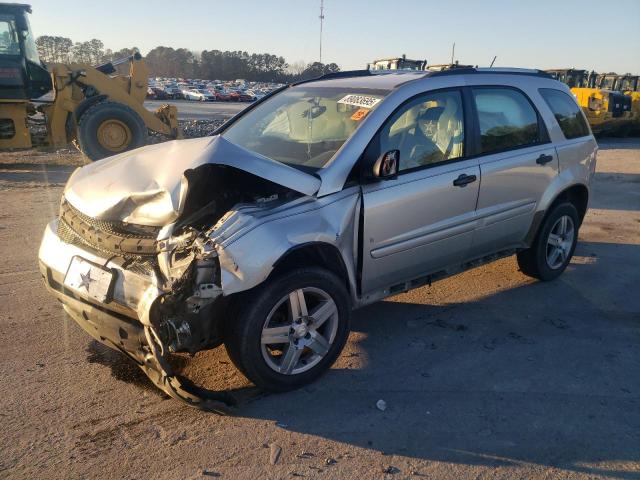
(386, 166)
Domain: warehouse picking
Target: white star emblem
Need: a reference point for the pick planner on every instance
(85, 280)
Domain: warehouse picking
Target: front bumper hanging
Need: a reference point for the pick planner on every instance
(121, 327)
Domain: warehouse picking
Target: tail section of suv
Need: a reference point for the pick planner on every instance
(320, 198)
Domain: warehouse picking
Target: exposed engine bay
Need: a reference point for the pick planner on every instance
(189, 316)
(186, 312)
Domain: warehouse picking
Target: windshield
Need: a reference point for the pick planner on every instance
(30, 48)
(304, 126)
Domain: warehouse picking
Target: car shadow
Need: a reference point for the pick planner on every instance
(542, 373)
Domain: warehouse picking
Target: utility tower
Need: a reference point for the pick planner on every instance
(321, 20)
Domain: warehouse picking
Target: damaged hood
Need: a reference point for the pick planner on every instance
(147, 186)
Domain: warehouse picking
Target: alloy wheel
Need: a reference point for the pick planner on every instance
(560, 242)
(299, 331)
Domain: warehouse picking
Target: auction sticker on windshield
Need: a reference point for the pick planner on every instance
(363, 101)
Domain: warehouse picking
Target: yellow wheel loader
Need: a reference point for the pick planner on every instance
(607, 110)
(630, 86)
(94, 107)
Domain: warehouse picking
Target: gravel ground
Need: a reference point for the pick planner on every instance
(484, 375)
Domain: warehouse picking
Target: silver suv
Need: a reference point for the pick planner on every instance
(323, 197)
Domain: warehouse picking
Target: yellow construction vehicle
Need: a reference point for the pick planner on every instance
(630, 85)
(94, 107)
(606, 110)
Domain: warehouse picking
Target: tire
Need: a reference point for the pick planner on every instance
(108, 128)
(257, 313)
(549, 255)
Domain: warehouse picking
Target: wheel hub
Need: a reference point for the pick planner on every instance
(300, 329)
(114, 135)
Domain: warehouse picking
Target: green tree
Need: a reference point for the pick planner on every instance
(54, 49)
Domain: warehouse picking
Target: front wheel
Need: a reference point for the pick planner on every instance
(289, 331)
(554, 245)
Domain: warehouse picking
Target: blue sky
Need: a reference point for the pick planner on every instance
(542, 33)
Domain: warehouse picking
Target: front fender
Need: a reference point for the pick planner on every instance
(248, 258)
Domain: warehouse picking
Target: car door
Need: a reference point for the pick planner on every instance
(517, 164)
(421, 221)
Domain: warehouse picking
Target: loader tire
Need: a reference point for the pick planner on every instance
(108, 128)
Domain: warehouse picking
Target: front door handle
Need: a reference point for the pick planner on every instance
(463, 180)
(542, 159)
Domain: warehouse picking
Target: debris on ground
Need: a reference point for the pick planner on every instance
(210, 473)
(390, 469)
(381, 405)
(190, 129)
(330, 461)
(274, 453)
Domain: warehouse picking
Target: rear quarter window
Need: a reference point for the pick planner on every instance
(567, 113)
(506, 119)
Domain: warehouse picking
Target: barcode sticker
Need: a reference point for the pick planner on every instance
(363, 101)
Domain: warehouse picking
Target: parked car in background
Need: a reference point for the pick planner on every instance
(234, 96)
(255, 94)
(192, 94)
(173, 92)
(207, 96)
(157, 93)
(222, 95)
(245, 97)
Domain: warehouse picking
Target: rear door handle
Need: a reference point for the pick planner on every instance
(463, 180)
(542, 159)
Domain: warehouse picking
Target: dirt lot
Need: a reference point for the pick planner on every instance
(485, 375)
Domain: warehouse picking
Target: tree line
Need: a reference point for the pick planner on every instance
(185, 63)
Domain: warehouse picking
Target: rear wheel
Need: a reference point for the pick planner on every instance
(554, 245)
(289, 331)
(108, 128)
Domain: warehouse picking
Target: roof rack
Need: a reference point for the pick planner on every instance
(426, 73)
(486, 70)
(359, 73)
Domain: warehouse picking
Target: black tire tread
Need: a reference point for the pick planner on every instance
(86, 131)
(532, 261)
(246, 306)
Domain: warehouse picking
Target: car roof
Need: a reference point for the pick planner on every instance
(392, 79)
(380, 81)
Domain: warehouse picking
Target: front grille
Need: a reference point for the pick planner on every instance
(116, 228)
(135, 244)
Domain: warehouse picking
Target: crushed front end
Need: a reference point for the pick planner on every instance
(138, 290)
(136, 259)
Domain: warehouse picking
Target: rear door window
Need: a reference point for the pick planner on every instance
(506, 119)
(567, 113)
